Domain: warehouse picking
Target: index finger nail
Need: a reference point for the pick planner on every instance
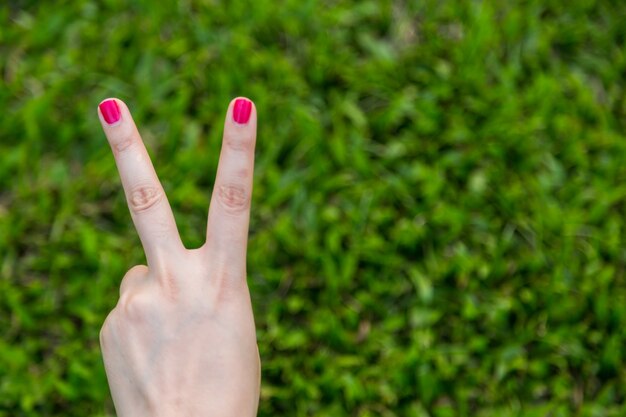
(110, 111)
(242, 110)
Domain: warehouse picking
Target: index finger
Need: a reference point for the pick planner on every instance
(146, 199)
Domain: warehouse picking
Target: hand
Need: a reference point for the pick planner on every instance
(181, 340)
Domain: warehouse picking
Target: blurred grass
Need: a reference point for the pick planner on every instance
(439, 207)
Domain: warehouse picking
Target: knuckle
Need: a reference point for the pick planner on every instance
(234, 198)
(132, 277)
(228, 287)
(123, 140)
(169, 285)
(104, 330)
(103, 338)
(137, 307)
(143, 197)
(238, 141)
(243, 173)
(123, 143)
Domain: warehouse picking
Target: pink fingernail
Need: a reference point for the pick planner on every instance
(242, 110)
(110, 111)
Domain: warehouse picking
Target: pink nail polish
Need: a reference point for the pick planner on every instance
(242, 110)
(110, 111)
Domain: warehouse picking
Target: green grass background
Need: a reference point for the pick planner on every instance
(439, 207)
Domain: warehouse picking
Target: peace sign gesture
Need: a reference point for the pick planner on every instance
(181, 340)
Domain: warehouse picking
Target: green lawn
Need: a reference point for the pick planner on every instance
(439, 214)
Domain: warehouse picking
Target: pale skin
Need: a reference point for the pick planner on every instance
(181, 340)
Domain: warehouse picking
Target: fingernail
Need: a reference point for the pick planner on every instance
(242, 110)
(110, 111)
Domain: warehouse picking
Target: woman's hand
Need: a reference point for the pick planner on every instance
(181, 340)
